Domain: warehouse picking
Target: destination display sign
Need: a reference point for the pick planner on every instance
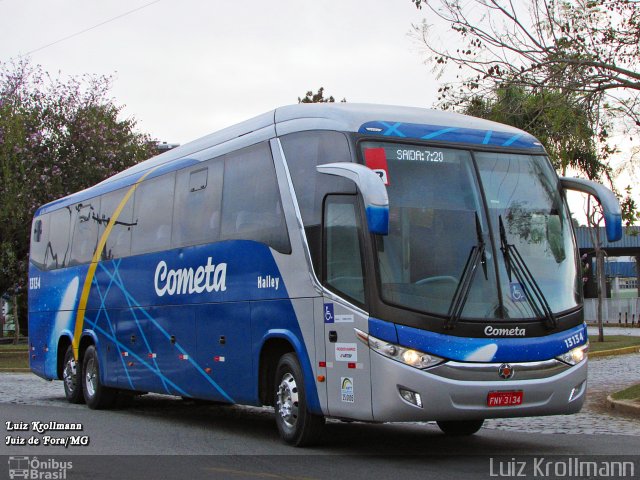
(377, 154)
(412, 154)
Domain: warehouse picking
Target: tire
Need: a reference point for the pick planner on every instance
(296, 425)
(96, 395)
(459, 428)
(72, 378)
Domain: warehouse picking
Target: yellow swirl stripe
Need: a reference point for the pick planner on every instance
(84, 297)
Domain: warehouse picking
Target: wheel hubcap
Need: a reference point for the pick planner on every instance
(91, 377)
(69, 375)
(287, 400)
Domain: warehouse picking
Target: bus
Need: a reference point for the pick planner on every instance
(355, 262)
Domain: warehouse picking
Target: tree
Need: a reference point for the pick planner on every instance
(311, 97)
(560, 123)
(584, 50)
(56, 137)
(587, 47)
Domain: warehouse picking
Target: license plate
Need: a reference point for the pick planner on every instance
(505, 399)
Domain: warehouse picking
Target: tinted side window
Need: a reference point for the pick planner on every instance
(196, 216)
(57, 252)
(251, 205)
(152, 215)
(344, 271)
(39, 240)
(306, 150)
(118, 242)
(85, 233)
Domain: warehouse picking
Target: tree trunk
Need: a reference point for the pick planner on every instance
(602, 290)
(15, 320)
(2, 319)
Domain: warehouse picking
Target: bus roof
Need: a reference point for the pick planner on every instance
(381, 120)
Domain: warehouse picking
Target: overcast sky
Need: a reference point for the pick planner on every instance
(187, 68)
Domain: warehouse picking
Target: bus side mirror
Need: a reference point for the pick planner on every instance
(608, 201)
(374, 193)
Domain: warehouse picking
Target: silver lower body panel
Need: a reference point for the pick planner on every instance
(562, 392)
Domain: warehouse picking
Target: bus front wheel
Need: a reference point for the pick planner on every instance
(297, 426)
(96, 395)
(72, 378)
(460, 428)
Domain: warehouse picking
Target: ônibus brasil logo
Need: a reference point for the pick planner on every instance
(27, 467)
(180, 281)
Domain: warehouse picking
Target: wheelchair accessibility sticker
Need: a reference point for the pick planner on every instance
(517, 292)
(328, 313)
(330, 317)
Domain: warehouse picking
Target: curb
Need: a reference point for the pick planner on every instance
(616, 351)
(624, 406)
(15, 370)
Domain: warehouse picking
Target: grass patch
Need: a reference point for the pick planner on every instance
(22, 347)
(612, 342)
(14, 359)
(631, 393)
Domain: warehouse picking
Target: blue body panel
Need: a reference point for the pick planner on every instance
(463, 349)
(159, 319)
(378, 219)
(613, 224)
(443, 133)
(383, 330)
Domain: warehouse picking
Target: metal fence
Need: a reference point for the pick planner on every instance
(615, 310)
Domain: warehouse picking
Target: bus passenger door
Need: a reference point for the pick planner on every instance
(347, 359)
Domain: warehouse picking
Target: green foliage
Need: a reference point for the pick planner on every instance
(575, 46)
(561, 123)
(584, 50)
(630, 212)
(311, 97)
(557, 119)
(56, 137)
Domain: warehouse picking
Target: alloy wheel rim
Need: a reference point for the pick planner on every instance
(287, 400)
(69, 375)
(91, 377)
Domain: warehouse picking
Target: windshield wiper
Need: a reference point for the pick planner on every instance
(532, 291)
(476, 256)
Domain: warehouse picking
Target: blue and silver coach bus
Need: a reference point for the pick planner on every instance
(334, 261)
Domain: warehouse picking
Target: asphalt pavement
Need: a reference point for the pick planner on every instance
(166, 437)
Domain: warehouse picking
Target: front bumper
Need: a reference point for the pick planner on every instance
(454, 399)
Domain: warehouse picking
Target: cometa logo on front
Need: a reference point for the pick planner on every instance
(504, 332)
(209, 277)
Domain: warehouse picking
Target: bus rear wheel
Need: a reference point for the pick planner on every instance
(72, 378)
(96, 395)
(459, 428)
(297, 426)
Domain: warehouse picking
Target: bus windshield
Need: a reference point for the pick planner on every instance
(439, 231)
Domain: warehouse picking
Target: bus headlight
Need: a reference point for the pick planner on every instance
(576, 355)
(408, 356)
